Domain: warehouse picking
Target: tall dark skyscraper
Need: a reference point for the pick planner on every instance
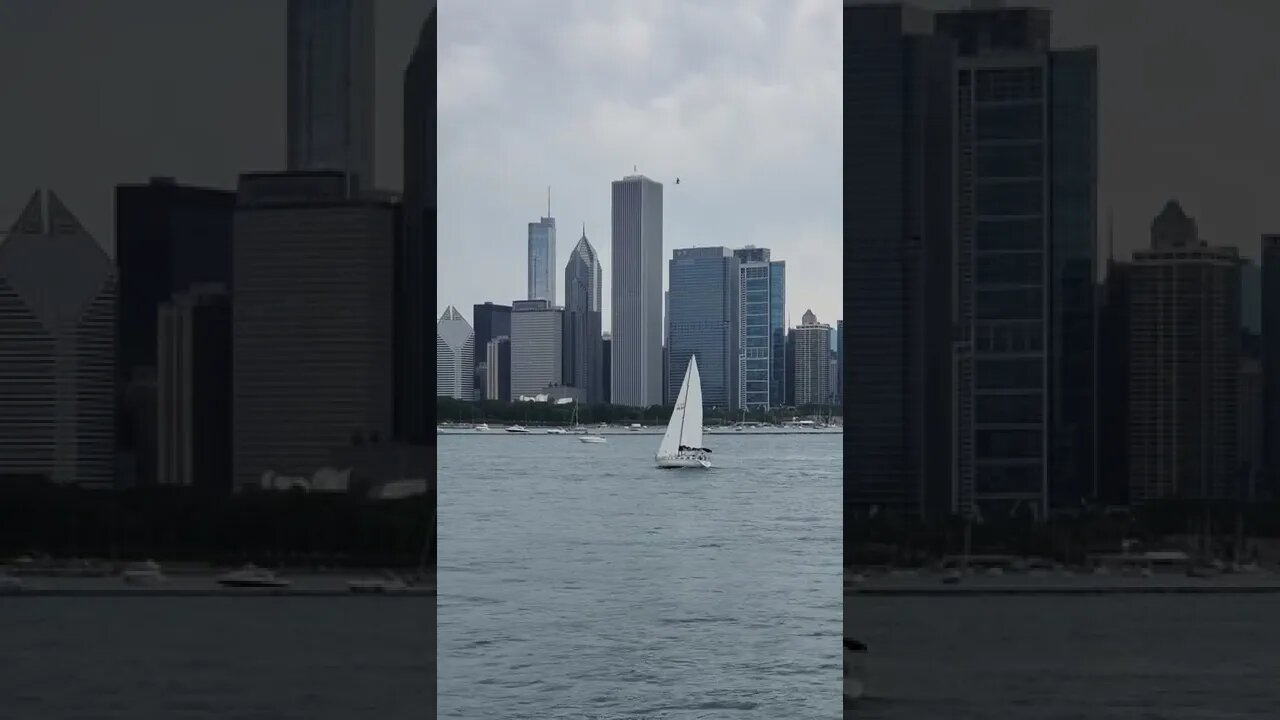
(583, 295)
(415, 244)
(169, 238)
(1271, 359)
(637, 292)
(491, 321)
(703, 320)
(330, 87)
(762, 328)
(1113, 386)
(900, 110)
(1026, 263)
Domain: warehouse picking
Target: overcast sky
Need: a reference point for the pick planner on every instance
(740, 100)
(537, 92)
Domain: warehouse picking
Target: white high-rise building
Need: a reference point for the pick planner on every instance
(542, 259)
(537, 347)
(455, 359)
(57, 349)
(636, 314)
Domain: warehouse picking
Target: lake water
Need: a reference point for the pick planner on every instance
(1154, 657)
(580, 581)
(236, 658)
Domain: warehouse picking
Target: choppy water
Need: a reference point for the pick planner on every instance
(579, 581)
(276, 658)
(1153, 657)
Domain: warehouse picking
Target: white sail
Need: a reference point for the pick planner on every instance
(691, 428)
(671, 438)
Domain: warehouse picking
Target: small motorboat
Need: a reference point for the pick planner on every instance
(596, 439)
(9, 584)
(516, 429)
(481, 427)
(854, 684)
(251, 576)
(147, 572)
(556, 431)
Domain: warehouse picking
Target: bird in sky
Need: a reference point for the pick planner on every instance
(677, 181)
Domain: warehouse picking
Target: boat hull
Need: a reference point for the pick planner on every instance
(231, 583)
(376, 588)
(591, 440)
(677, 463)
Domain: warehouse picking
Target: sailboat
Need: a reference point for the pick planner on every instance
(682, 442)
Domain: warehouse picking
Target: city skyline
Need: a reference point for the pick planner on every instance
(741, 103)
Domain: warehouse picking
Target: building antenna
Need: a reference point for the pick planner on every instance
(1111, 237)
(548, 201)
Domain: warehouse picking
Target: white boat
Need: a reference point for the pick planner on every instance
(388, 583)
(854, 685)
(251, 576)
(591, 439)
(516, 429)
(682, 445)
(556, 431)
(481, 427)
(147, 572)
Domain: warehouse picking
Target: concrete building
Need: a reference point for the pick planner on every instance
(1184, 370)
(1026, 263)
(193, 378)
(330, 88)
(762, 328)
(900, 237)
(636, 312)
(57, 349)
(838, 380)
(813, 361)
(704, 321)
(537, 347)
(1271, 359)
(416, 256)
(1250, 424)
(498, 369)
(169, 238)
(312, 321)
(455, 356)
(1113, 385)
(542, 259)
(491, 321)
(583, 297)
(606, 356)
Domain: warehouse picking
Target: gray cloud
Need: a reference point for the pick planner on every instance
(740, 100)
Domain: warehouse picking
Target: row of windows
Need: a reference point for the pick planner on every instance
(1026, 373)
(1018, 268)
(1020, 234)
(1010, 198)
(1010, 304)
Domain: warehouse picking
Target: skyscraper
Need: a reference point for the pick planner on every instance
(537, 347)
(497, 365)
(455, 356)
(169, 238)
(762, 328)
(1184, 365)
(491, 321)
(193, 378)
(900, 109)
(583, 295)
(415, 251)
(1026, 263)
(705, 322)
(1271, 358)
(312, 321)
(542, 259)
(330, 87)
(813, 361)
(57, 349)
(636, 312)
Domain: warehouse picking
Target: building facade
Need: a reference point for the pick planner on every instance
(583, 295)
(491, 321)
(636, 312)
(542, 260)
(1026, 254)
(193, 375)
(813, 361)
(498, 369)
(169, 238)
(1271, 359)
(900, 112)
(415, 243)
(704, 321)
(57, 349)
(762, 329)
(330, 88)
(1184, 367)
(455, 356)
(312, 322)
(537, 347)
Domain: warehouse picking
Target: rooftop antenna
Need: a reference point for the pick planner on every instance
(548, 201)
(633, 169)
(1111, 237)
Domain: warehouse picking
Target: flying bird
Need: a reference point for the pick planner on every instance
(677, 181)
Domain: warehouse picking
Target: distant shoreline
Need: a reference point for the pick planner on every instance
(1061, 590)
(536, 430)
